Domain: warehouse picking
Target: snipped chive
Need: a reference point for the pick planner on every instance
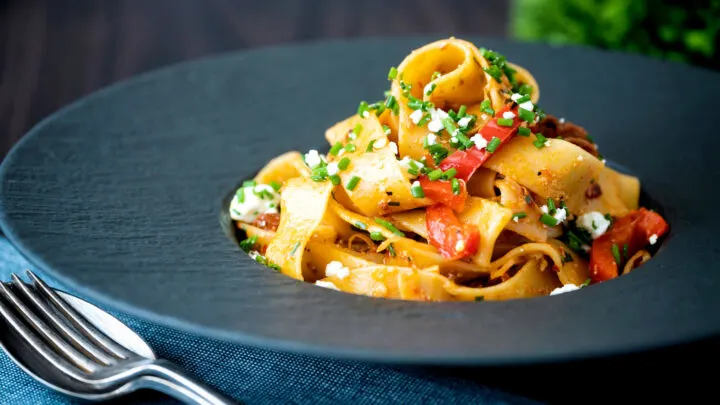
(390, 227)
(352, 183)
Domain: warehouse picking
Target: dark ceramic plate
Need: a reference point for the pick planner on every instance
(121, 196)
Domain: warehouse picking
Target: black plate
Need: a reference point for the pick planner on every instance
(120, 196)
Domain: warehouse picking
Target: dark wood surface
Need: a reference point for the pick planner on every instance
(53, 52)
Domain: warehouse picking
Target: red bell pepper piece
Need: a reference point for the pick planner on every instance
(453, 239)
(441, 192)
(467, 161)
(634, 230)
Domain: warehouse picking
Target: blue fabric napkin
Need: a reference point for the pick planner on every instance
(255, 376)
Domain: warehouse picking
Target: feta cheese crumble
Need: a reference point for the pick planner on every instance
(594, 223)
(380, 143)
(336, 269)
(313, 158)
(464, 121)
(560, 214)
(516, 96)
(479, 141)
(564, 289)
(332, 168)
(326, 284)
(406, 165)
(436, 117)
(394, 148)
(416, 116)
(431, 139)
(579, 158)
(653, 239)
(256, 200)
(528, 105)
(508, 115)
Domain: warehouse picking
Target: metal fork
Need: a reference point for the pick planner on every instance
(70, 343)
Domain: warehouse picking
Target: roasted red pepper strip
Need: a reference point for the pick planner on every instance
(453, 239)
(467, 161)
(633, 230)
(441, 192)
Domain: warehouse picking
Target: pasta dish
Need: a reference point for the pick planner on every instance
(455, 186)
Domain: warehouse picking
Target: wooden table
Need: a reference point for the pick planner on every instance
(55, 51)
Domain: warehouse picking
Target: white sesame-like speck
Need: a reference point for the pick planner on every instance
(479, 141)
(484, 117)
(653, 239)
(453, 139)
(464, 121)
(604, 161)
(528, 105)
(380, 143)
(516, 219)
(326, 284)
(508, 115)
(416, 116)
(431, 139)
(394, 148)
(561, 120)
(336, 269)
(332, 168)
(579, 158)
(365, 114)
(547, 143)
(545, 209)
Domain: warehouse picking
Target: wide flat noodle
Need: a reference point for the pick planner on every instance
(282, 168)
(516, 198)
(304, 203)
(620, 193)
(490, 219)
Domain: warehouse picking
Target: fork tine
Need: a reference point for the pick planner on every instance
(69, 352)
(62, 327)
(79, 321)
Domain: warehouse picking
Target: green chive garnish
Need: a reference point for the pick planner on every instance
(462, 111)
(424, 120)
(551, 205)
(539, 141)
(493, 144)
(548, 220)
(625, 252)
(360, 225)
(417, 192)
(240, 193)
(344, 163)
(249, 183)
(616, 254)
(505, 122)
(377, 236)
(523, 99)
(294, 249)
(494, 72)
(526, 89)
(455, 184)
(386, 129)
(480, 298)
(390, 102)
(370, 146)
(336, 149)
(362, 108)
(275, 185)
(435, 76)
(449, 125)
(350, 147)
(392, 74)
(524, 131)
(358, 129)
(486, 107)
(335, 179)
(390, 227)
(435, 174)
(391, 250)
(525, 115)
(352, 183)
(449, 173)
(248, 244)
(590, 138)
(519, 215)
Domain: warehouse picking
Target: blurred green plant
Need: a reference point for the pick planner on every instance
(687, 31)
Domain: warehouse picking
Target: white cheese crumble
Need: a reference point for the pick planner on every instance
(332, 168)
(594, 222)
(431, 139)
(416, 116)
(547, 143)
(515, 219)
(428, 89)
(564, 289)
(336, 269)
(394, 148)
(380, 143)
(259, 199)
(454, 139)
(484, 117)
(516, 96)
(313, 158)
(508, 115)
(326, 284)
(561, 120)
(365, 114)
(387, 131)
(479, 141)
(436, 117)
(464, 121)
(653, 239)
(528, 105)
(254, 254)
(405, 163)
(560, 213)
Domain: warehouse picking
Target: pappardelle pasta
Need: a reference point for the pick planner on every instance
(454, 187)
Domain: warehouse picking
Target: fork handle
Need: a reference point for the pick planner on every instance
(172, 380)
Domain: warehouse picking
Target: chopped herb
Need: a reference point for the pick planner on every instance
(275, 185)
(386, 129)
(551, 205)
(390, 227)
(525, 89)
(415, 104)
(335, 179)
(274, 266)
(493, 144)
(616, 254)
(523, 99)
(430, 89)
(362, 109)
(486, 107)
(394, 204)
(248, 244)
(435, 75)
(352, 183)
(435, 174)
(391, 101)
(590, 138)
(585, 283)
(480, 298)
(526, 115)
(377, 236)
(424, 120)
(360, 225)
(609, 218)
(594, 225)
(370, 146)
(455, 184)
(449, 173)
(449, 125)
(539, 141)
(294, 249)
(379, 107)
(505, 122)
(249, 183)
(336, 149)
(524, 131)
(519, 215)
(438, 152)
(350, 147)
(548, 220)
(567, 258)
(528, 200)
(358, 129)
(494, 72)
(417, 191)
(344, 163)
(625, 251)
(240, 194)
(391, 250)
(392, 74)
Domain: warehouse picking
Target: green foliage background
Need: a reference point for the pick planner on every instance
(687, 31)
